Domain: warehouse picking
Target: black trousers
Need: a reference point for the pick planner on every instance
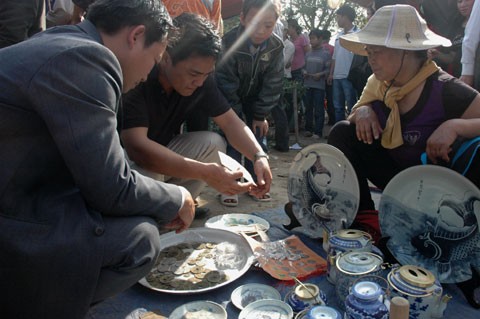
(370, 161)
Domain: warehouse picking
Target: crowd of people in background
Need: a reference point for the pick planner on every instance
(348, 73)
(107, 66)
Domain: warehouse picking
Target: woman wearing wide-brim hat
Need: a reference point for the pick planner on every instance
(409, 105)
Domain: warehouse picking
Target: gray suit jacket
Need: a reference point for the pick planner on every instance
(62, 169)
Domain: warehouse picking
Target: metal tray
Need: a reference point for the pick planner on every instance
(207, 235)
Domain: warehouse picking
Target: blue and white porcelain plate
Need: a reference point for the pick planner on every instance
(246, 294)
(199, 310)
(431, 215)
(323, 189)
(267, 309)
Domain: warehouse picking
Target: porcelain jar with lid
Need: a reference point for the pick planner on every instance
(366, 301)
(304, 296)
(345, 240)
(420, 287)
(354, 265)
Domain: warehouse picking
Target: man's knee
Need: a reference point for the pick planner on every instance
(218, 141)
(212, 142)
(339, 132)
(146, 245)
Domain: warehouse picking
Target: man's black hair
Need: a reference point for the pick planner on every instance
(347, 11)
(110, 16)
(193, 36)
(326, 35)
(317, 32)
(294, 23)
(259, 4)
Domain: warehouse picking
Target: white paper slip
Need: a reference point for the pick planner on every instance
(233, 165)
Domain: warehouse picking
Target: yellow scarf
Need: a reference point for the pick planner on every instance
(375, 91)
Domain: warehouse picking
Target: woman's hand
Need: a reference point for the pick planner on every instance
(367, 125)
(439, 144)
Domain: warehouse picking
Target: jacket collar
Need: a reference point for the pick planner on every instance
(90, 29)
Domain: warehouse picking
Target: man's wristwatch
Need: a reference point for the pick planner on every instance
(261, 154)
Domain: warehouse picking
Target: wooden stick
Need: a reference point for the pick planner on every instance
(399, 308)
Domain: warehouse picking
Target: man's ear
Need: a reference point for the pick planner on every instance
(136, 35)
(166, 59)
(242, 19)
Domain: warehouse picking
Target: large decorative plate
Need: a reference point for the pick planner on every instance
(431, 215)
(199, 310)
(267, 308)
(238, 223)
(199, 260)
(323, 189)
(246, 294)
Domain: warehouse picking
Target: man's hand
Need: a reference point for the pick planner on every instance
(330, 79)
(225, 181)
(264, 178)
(260, 128)
(185, 215)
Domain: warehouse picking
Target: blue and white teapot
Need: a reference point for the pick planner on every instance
(345, 240)
(421, 289)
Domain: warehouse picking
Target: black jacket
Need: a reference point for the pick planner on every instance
(251, 84)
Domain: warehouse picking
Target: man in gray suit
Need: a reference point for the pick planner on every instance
(77, 225)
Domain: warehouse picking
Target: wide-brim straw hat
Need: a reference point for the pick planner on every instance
(396, 27)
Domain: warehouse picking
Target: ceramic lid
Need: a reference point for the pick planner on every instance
(358, 263)
(352, 234)
(307, 291)
(366, 290)
(417, 276)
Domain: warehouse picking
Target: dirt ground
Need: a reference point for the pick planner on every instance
(279, 164)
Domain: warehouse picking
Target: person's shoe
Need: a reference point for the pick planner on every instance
(228, 200)
(307, 134)
(315, 136)
(265, 198)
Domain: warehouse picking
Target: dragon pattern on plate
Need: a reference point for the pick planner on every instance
(431, 214)
(323, 189)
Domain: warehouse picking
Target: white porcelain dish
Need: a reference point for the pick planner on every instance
(238, 223)
(246, 294)
(267, 309)
(199, 310)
